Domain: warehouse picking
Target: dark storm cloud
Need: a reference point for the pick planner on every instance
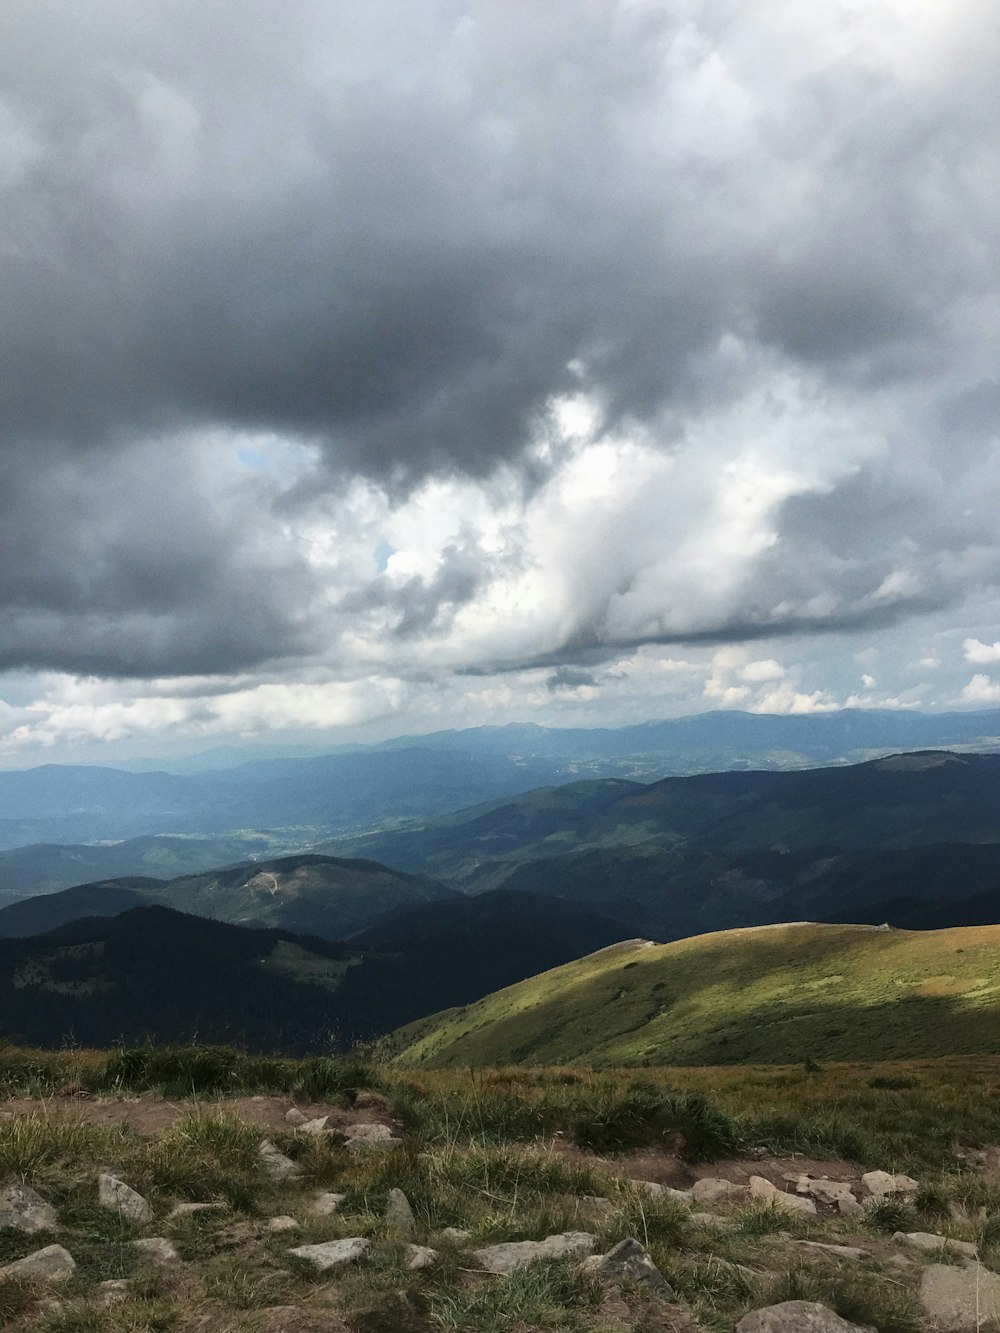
(394, 232)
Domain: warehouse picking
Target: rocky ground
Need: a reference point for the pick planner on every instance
(254, 1214)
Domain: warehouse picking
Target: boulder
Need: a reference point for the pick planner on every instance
(848, 1206)
(373, 1135)
(325, 1204)
(456, 1235)
(798, 1317)
(157, 1250)
(24, 1210)
(282, 1223)
(418, 1257)
(928, 1243)
(114, 1194)
(708, 1190)
(878, 1183)
(628, 1261)
(275, 1163)
(765, 1192)
(823, 1189)
(53, 1264)
(399, 1220)
(317, 1126)
(294, 1116)
(332, 1253)
(516, 1254)
(960, 1300)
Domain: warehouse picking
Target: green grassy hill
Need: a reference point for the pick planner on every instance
(775, 994)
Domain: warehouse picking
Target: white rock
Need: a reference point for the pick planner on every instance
(417, 1257)
(878, 1183)
(294, 1116)
(189, 1209)
(709, 1190)
(960, 1300)
(516, 1254)
(115, 1195)
(366, 1135)
(317, 1126)
(157, 1249)
(456, 1235)
(325, 1204)
(282, 1223)
(275, 1163)
(766, 1192)
(797, 1317)
(824, 1190)
(24, 1210)
(928, 1243)
(52, 1264)
(332, 1253)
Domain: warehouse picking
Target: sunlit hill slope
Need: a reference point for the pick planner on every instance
(767, 994)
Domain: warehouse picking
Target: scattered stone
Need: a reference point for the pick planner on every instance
(629, 1261)
(659, 1191)
(842, 1251)
(457, 1235)
(366, 1135)
(516, 1254)
(928, 1243)
(708, 1190)
(764, 1191)
(317, 1126)
(332, 1253)
(52, 1264)
(823, 1189)
(797, 1317)
(878, 1183)
(114, 1289)
(597, 1203)
(24, 1210)
(157, 1249)
(713, 1220)
(848, 1206)
(275, 1163)
(189, 1209)
(399, 1220)
(418, 1257)
(282, 1223)
(960, 1300)
(294, 1116)
(325, 1204)
(121, 1198)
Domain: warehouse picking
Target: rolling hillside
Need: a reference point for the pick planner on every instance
(774, 994)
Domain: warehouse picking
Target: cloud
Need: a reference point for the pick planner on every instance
(393, 342)
(981, 653)
(981, 690)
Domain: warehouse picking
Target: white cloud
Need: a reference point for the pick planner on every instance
(981, 690)
(981, 653)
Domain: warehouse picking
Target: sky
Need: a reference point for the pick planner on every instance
(372, 369)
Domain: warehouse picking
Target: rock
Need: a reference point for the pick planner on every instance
(658, 1191)
(52, 1264)
(714, 1221)
(317, 1126)
(823, 1189)
(842, 1251)
(366, 1100)
(928, 1243)
(294, 1116)
(516, 1254)
(325, 1204)
(708, 1190)
(960, 1300)
(965, 1216)
(114, 1194)
(373, 1135)
(282, 1223)
(878, 1183)
(765, 1192)
(456, 1235)
(399, 1220)
(24, 1210)
(848, 1206)
(157, 1249)
(275, 1163)
(628, 1261)
(332, 1253)
(189, 1209)
(114, 1289)
(417, 1257)
(797, 1317)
